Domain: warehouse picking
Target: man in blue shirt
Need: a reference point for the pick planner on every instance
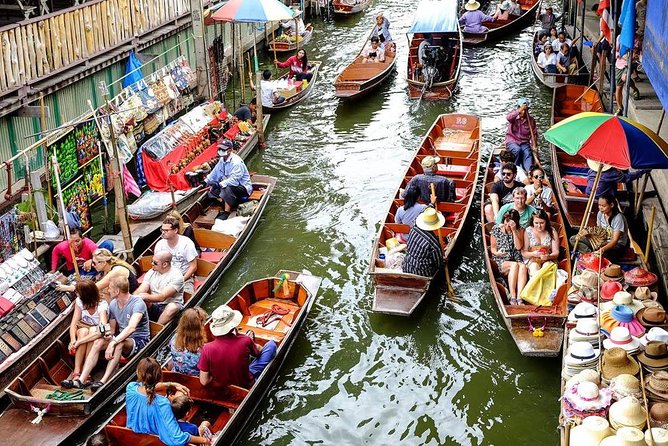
(229, 180)
(610, 178)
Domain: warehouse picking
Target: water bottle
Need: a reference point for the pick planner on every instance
(381, 260)
(552, 295)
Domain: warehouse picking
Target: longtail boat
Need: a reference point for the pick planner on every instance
(438, 78)
(296, 93)
(455, 139)
(348, 7)
(230, 408)
(359, 78)
(68, 411)
(570, 171)
(553, 80)
(499, 29)
(520, 319)
(286, 44)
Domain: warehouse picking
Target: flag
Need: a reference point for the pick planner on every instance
(628, 21)
(606, 20)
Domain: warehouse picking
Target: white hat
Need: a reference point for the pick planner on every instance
(627, 412)
(660, 436)
(582, 310)
(590, 433)
(655, 334)
(586, 329)
(585, 375)
(621, 337)
(223, 320)
(593, 165)
(472, 5)
(623, 298)
(625, 385)
(581, 353)
(631, 436)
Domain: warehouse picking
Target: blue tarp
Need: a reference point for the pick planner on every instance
(654, 48)
(435, 16)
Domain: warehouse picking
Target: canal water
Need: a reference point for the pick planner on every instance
(450, 374)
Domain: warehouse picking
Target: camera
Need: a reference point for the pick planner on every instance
(104, 328)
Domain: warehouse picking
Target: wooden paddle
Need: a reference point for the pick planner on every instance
(535, 143)
(448, 283)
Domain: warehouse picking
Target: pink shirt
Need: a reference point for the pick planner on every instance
(518, 130)
(294, 64)
(62, 249)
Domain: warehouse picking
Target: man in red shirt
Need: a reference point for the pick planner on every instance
(83, 250)
(226, 359)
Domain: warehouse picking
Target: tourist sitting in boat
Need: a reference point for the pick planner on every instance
(268, 90)
(294, 26)
(181, 405)
(506, 156)
(566, 63)
(407, 213)
(229, 180)
(298, 66)
(610, 178)
(183, 251)
(89, 322)
(186, 344)
(472, 20)
(83, 248)
(248, 112)
(505, 241)
(502, 11)
(424, 253)
(108, 266)
(225, 360)
(374, 52)
(514, 8)
(185, 229)
(561, 39)
(521, 134)
(444, 187)
(611, 219)
(382, 31)
(553, 36)
(541, 242)
(502, 191)
(519, 203)
(128, 333)
(539, 47)
(547, 60)
(547, 20)
(148, 412)
(162, 288)
(539, 194)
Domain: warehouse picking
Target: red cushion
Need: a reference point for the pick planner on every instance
(460, 192)
(212, 256)
(452, 170)
(197, 284)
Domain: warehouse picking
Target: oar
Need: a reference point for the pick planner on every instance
(448, 283)
(533, 138)
(585, 92)
(590, 202)
(650, 229)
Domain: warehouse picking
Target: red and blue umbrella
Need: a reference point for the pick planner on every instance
(613, 140)
(253, 11)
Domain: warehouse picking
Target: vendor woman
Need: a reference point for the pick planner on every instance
(611, 219)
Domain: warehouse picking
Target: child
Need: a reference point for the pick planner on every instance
(181, 405)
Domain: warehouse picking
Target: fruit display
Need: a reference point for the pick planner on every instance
(66, 154)
(87, 140)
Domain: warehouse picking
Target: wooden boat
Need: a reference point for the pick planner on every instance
(553, 80)
(359, 78)
(499, 29)
(296, 94)
(438, 79)
(348, 7)
(519, 318)
(456, 139)
(36, 384)
(284, 46)
(229, 409)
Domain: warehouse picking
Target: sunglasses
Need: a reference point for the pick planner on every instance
(166, 230)
(507, 174)
(539, 177)
(155, 263)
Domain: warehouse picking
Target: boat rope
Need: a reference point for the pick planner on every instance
(40, 413)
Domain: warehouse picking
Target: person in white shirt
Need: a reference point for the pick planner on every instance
(268, 90)
(162, 289)
(182, 249)
(230, 180)
(547, 60)
(294, 26)
(561, 39)
(539, 193)
(374, 52)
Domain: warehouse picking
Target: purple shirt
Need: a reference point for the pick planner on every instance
(472, 21)
(518, 131)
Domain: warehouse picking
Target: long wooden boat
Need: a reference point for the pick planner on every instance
(553, 80)
(439, 80)
(280, 45)
(230, 408)
(519, 318)
(499, 29)
(570, 171)
(456, 139)
(36, 385)
(348, 7)
(359, 78)
(296, 95)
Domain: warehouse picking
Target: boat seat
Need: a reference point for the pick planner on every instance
(461, 192)
(443, 143)
(261, 333)
(119, 435)
(207, 219)
(452, 170)
(41, 390)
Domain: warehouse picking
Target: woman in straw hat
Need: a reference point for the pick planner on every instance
(471, 21)
(424, 256)
(505, 242)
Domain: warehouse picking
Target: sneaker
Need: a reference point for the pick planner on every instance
(223, 215)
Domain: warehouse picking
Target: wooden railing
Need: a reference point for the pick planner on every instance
(41, 46)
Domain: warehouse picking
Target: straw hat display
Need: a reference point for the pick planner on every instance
(616, 362)
(640, 277)
(586, 399)
(592, 262)
(623, 298)
(627, 412)
(587, 279)
(652, 317)
(625, 385)
(589, 375)
(625, 436)
(657, 386)
(643, 293)
(621, 316)
(590, 433)
(658, 415)
(659, 437)
(620, 337)
(655, 356)
(609, 289)
(583, 310)
(582, 294)
(580, 356)
(586, 330)
(613, 272)
(654, 334)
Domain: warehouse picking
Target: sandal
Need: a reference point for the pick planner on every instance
(635, 95)
(96, 386)
(71, 384)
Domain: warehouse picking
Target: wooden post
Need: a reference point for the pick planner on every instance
(590, 201)
(201, 53)
(42, 125)
(650, 229)
(240, 64)
(61, 206)
(273, 39)
(259, 121)
(639, 198)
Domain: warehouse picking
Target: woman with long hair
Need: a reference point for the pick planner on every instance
(505, 241)
(407, 213)
(186, 345)
(614, 225)
(298, 66)
(89, 321)
(185, 229)
(541, 242)
(151, 413)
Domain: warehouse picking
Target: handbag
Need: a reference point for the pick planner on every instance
(160, 90)
(172, 90)
(148, 99)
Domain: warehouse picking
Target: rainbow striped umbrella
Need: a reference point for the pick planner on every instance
(613, 140)
(253, 11)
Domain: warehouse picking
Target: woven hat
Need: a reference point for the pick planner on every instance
(621, 315)
(591, 261)
(582, 353)
(657, 383)
(659, 435)
(429, 161)
(627, 412)
(625, 385)
(223, 320)
(652, 317)
(608, 290)
(587, 397)
(616, 361)
(585, 375)
(393, 246)
(640, 277)
(613, 272)
(620, 337)
(587, 278)
(430, 220)
(585, 330)
(655, 334)
(471, 5)
(655, 355)
(583, 310)
(658, 415)
(643, 293)
(631, 436)
(623, 298)
(593, 165)
(590, 433)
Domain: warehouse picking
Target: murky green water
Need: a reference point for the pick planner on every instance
(450, 374)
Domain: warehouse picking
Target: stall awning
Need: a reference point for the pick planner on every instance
(654, 49)
(435, 16)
